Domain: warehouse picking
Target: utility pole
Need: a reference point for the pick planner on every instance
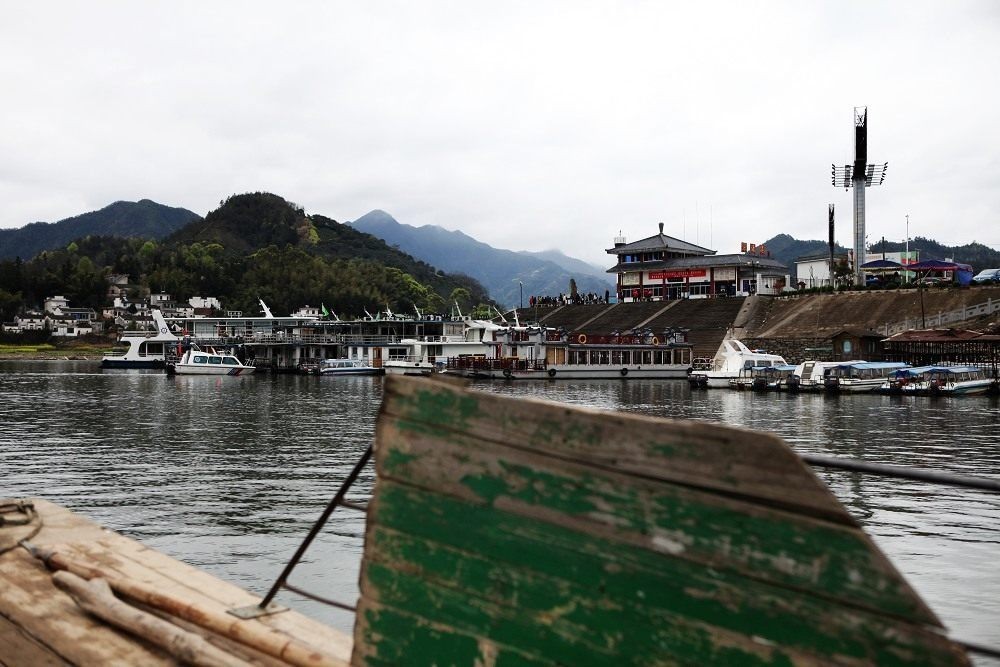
(906, 274)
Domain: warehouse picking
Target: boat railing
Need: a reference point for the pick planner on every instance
(143, 333)
(839, 464)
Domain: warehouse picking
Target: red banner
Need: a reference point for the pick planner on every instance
(679, 273)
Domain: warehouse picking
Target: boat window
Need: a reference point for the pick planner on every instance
(200, 359)
(215, 360)
(647, 357)
(230, 361)
(626, 357)
(146, 349)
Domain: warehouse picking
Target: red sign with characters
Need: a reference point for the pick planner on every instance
(679, 273)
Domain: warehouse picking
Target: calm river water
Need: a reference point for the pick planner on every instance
(229, 473)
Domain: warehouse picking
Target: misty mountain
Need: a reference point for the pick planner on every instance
(498, 270)
(574, 265)
(124, 219)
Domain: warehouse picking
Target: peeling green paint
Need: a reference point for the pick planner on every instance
(563, 583)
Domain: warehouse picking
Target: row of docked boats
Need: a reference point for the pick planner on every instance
(738, 367)
(164, 349)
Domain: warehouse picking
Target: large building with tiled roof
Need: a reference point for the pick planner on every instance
(661, 268)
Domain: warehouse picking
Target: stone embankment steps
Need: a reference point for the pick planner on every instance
(706, 319)
(822, 315)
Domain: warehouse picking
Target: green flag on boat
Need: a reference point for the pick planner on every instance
(326, 313)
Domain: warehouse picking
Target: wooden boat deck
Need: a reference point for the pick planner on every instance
(42, 625)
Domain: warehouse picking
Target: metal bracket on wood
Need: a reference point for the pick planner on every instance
(256, 611)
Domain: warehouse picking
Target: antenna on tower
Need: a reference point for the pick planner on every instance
(859, 176)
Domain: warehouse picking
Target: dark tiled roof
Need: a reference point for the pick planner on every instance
(660, 242)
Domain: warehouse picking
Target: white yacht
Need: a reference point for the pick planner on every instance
(732, 358)
(146, 349)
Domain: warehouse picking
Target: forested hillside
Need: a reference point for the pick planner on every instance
(787, 249)
(142, 219)
(253, 246)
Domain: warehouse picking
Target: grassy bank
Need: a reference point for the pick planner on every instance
(92, 350)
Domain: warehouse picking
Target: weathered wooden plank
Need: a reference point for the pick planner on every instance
(17, 648)
(827, 559)
(391, 637)
(552, 533)
(717, 458)
(557, 580)
(29, 600)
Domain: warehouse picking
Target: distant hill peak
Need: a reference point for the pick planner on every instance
(142, 219)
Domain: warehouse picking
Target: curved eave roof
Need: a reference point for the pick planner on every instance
(660, 242)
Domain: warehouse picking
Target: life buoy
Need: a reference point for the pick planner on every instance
(507, 373)
(656, 341)
(581, 339)
(624, 372)
(552, 372)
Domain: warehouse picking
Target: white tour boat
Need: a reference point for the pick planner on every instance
(732, 358)
(146, 349)
(959, 380)
(347, 367)
(196, 361)
(860, 376)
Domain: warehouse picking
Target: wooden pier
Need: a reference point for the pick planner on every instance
(181, 612)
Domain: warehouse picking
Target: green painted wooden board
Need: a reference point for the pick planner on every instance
(516, 532)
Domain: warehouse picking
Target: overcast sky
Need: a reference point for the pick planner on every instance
(527, 125)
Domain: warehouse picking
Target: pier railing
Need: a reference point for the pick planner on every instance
(943, 319)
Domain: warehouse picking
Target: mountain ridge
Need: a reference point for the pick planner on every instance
(142, 219)
(510, 276)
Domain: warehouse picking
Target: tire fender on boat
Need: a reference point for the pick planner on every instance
(507, 373)
(552, 372)
(624, 372)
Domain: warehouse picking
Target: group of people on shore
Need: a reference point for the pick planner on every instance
(565, 299)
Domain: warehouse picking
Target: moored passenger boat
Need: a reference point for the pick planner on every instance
(145, 349)
(196, 361)
(538, 353)
(959, 380)
(808, 375)
(859, 376)
(732, 358)
(764, 378)
(346, 367)
(906, 381)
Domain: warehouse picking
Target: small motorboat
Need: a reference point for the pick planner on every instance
(196, 361)
(346, 367)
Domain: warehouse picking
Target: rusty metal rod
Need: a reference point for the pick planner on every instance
(336, 500)
(904, 472)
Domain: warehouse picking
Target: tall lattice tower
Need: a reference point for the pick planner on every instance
(859, 176)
